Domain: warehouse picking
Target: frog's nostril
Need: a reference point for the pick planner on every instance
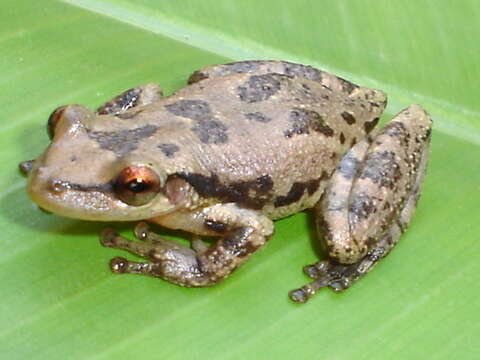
(26, 166)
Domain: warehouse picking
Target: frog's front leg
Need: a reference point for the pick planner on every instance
(243, 231)
(370, 201)
(137, 96)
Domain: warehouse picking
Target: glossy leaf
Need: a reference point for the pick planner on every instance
(58, 298)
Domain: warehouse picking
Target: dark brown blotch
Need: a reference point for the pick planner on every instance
(258, 116)
(312, 185)
(304, 121)
(298, 190)
(382, 169)
(369, 125)
(323, 228)
(428, 133)
(342, 138)
(252, 194)
(259, 88)
(397, 130)
(347, 86)
(371, 242)
(362, 205)
(237, 242)
(192, 109)
(349, 118)
(216, 226)
(208, 129)
(122, 142)
(121, 103)
(389, 240)
(196, 77)
(301, 71)
(294, 194)
(168, 149)
(241, 67)
(211, 131)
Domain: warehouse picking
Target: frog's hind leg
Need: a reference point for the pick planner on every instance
(242, 232)
(137, 96)
(370, 201)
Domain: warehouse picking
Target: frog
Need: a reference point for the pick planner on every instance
(241, 145)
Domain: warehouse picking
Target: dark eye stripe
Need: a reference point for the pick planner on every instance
(59, 185)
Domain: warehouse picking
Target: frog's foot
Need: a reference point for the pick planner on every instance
(336, 276)
(152, 247)
(244, 232)
(140, 95)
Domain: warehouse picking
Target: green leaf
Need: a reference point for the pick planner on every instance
(59, 299)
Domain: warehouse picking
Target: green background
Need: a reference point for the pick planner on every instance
(60, 301)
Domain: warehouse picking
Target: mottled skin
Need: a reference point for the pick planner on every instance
(245, 143)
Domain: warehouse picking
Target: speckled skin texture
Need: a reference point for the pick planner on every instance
(243, 144)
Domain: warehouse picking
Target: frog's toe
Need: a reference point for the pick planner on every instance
(298, 295)
(337, 277)
(301, 295)
(314, 271)
(118, 265)
(142, 231)
(108, 237)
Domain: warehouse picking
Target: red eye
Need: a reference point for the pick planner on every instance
(137, 185)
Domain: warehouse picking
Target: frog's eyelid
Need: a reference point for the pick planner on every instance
(66, 116)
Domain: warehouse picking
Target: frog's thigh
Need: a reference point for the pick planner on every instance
(242, 232)
(137, 96)
(369, 199)
(370, 202)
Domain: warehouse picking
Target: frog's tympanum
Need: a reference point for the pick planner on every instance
(242, 145)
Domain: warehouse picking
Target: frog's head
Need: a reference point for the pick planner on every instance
(92, 169)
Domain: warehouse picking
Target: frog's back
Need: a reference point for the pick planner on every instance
(268, 141)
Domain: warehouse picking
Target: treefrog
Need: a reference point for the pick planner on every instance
(243, 144)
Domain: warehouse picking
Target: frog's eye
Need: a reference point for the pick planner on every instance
(136, 185)
(69, 118)
(54, 119)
